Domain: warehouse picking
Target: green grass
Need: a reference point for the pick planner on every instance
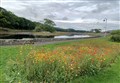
(109, 75)
(13, 52)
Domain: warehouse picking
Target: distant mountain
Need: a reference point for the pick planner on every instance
(10, 20)
(69, 30)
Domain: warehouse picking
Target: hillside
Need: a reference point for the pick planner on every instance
(10, 20)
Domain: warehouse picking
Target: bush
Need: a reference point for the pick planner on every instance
(43, 27)
(115, 38)
(38, 29)
(49, 28)
(116, 32)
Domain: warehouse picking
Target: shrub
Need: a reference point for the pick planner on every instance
(115, 38)
(116, 32)
(38, 29)
(42, 27)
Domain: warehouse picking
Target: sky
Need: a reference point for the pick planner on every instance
(76, 14)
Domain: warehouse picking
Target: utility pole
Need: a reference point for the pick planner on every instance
(105, 20)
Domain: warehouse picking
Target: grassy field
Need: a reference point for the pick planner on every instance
(110, 74)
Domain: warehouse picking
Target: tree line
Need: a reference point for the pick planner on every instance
(10, 20)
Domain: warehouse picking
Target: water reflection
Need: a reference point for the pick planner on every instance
(21, 36)
(72, 36)
(17, 36)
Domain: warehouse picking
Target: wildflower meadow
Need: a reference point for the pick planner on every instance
(61, 63)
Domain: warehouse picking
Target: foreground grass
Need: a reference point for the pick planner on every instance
(109, 75)
(13, 52)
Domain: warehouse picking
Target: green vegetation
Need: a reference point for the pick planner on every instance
(17, 62)
(11, 21)
(115, 32)
(115, 36)
(48, 25)
(96, 30)
(69, 30)
(109, 75)
(39, 27)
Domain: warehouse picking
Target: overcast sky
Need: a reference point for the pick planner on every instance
(77, 14)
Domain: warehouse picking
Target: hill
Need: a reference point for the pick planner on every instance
(10, 20)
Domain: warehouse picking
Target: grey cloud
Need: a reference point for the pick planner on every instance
(101, 8)
(89, 26)
(84, 9)
(65, 18)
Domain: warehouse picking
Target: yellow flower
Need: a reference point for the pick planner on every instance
(19, 82)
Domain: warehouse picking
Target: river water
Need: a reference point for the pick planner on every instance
(72, 36)
(21, 36)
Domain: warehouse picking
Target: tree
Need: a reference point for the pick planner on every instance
(1, 16)
(49, 22)
(96, 30)
(49, 25)
(39, 27)
(10, 20)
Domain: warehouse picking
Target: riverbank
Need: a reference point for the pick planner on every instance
(38, 41)
(44, 34)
